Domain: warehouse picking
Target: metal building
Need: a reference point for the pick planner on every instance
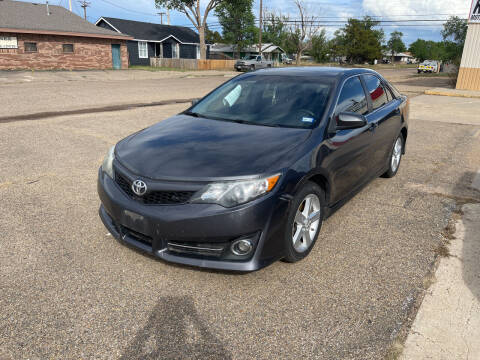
(469, 75)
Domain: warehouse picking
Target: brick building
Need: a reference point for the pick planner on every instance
(37, 36)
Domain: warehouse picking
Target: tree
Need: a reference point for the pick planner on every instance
(192, 10)
(337, 46)
(302, 31)
(454, 33)
(395, 45)
(320, 47)
(276, 31)
(428, 50)
(238, 23)
(359, 41)
(212, 36)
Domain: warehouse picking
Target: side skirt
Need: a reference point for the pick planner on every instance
(331, 209)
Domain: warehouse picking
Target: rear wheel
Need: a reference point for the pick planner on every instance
(395, 157)
(304, 222)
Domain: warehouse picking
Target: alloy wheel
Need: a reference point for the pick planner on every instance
(396, 154)
(306, 223)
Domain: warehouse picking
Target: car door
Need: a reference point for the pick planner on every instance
(259, 64)
(348, 160)
(385, 117)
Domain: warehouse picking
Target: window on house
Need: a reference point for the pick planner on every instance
(30, 47)
(142, 50)
(175, 51)
(68, 48)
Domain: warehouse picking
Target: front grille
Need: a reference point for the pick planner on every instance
(154, 197)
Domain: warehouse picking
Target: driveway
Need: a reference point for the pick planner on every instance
(69, 290)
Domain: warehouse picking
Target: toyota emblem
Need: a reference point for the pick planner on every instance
(139, 187)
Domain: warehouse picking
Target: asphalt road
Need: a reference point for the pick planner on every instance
(70, 291)
(33, 93)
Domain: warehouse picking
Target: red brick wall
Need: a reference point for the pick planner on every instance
(89, 53)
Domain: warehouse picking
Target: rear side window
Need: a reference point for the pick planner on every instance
(376, 91)
(352, 98)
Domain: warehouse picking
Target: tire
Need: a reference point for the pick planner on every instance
(394, 165)
(304, 240)
(252, 67)
(269, 66)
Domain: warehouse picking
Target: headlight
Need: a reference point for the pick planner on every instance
(232, 193)
(107, 165)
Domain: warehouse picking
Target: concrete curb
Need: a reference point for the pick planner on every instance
(447, 325)
(453, 92)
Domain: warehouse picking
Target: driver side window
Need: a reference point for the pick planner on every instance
(352, 98)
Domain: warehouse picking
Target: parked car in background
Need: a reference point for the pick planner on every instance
(247, 175)
(253, 62)
(286, 59)
(428, 66)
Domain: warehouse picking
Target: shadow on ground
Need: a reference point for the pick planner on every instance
(471, 248)
(466, 194)
(175, 331)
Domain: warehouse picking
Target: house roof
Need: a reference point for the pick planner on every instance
(266, 48)
(152, 32)
(25, 17)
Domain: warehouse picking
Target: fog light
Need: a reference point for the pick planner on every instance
(242, 247)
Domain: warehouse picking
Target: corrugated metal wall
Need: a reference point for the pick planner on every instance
(469, 75)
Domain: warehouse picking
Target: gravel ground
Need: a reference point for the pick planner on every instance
(69, 291)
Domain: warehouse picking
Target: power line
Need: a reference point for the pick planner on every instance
(361, 20)
(129, 10)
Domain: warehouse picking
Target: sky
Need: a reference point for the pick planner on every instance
(325, 10)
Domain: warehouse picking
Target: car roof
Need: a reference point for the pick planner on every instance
(316, 71)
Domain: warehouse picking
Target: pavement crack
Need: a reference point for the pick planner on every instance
(110, 108)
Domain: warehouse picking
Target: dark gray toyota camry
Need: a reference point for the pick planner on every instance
(247, 174)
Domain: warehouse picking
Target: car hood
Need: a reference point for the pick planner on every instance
(188, 148)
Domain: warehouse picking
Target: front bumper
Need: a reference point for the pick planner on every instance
(242, 67)
(156, 229)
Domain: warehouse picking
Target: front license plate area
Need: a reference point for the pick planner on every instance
(135, 222)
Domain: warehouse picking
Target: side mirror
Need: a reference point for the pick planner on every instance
(195, 101)
(348, 120)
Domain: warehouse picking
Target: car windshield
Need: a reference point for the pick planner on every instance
(268, 100)
(250, 57)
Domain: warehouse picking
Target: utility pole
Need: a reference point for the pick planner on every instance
(70, 5)
(261, 28)
(84, 4)
(161, 16)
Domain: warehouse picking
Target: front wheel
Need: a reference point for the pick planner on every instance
(395, 157)
(252, 67)
(304, 222)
